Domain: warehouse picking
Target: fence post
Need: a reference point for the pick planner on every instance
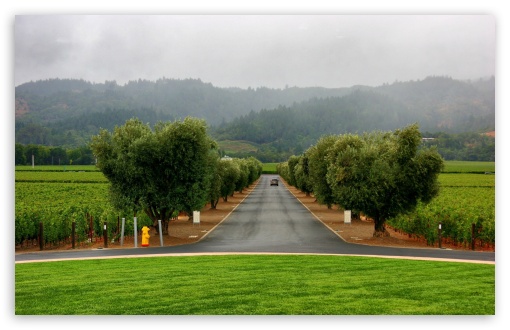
(41, 236)
(91, 227)
(136, 233)
(160, 233)
(439, 234)
(73, 234)
(105, 235)
(122, 232)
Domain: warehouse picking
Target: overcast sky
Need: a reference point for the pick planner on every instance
(255, 50)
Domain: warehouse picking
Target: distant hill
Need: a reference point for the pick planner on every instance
(63, 112)
(438, 104)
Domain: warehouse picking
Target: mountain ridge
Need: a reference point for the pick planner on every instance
(67, 112)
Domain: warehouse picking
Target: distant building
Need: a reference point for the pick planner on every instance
(226, 158)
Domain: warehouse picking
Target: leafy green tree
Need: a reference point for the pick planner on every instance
(302, 175)
(383, 174)
(41, 154)
(292, 162)
(318, 169)
(230, 172)
(59, 156)
(216, 179)
(19, 156)
(158, 171)
(244, 174)
(255, 169)
(283, 170)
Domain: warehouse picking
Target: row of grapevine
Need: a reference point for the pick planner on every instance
(58, 205)
(457, 208)
(46, 176)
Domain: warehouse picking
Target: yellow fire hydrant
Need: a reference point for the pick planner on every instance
(145, 236)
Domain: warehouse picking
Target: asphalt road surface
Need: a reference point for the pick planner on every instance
(270, 220)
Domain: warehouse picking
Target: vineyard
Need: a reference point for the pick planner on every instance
(58, 197)
(465, 208)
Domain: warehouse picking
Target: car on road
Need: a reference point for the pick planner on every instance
(274, 182)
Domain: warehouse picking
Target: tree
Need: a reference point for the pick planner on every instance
(159, 171)
(318, 168)
(230, 173)
(216, 179)
(292, 162)
(244, 173)
(302, 175)
(254, 169)
(383, 174)
(19, 154)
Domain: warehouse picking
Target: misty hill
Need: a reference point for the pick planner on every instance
(67, 112)
(60, 99)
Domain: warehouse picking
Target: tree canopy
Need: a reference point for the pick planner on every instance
(158, 171)
(381, 174)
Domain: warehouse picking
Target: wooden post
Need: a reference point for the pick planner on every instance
(439, 234)
(73, 234)
(41, 236)
(105, 235)
(91, 228)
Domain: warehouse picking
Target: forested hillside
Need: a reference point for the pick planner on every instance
(281, 122)
(67, 112)
(436, 104)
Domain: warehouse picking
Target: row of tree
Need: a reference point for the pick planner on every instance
(46, 155)
(174, 167)
(381, 174)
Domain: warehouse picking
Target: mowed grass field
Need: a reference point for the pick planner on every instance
(254, 285)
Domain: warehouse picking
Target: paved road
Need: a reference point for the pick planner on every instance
(270, 220)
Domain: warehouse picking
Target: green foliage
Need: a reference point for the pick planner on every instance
(464, 199)
(57, 205)
(56, 197)
(318, 169)
(160, 171)
(68, 176)
(438, 104)
(292, 162)
(302, 175)
(270, 124)
(469, 146)
(381, 174)
(45, 155)
(230, 173)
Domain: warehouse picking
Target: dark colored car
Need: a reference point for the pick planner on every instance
(274, 182)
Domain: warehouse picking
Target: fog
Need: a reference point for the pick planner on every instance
(254, 50)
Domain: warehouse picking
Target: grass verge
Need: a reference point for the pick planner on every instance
(254, 285)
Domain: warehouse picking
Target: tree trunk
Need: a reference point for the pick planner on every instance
(379, 227)
(155, 216)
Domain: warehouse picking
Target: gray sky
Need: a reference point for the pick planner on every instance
(252, 51)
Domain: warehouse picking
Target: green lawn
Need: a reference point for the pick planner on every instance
(469, 167)
(254, 285)
(269, 168)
